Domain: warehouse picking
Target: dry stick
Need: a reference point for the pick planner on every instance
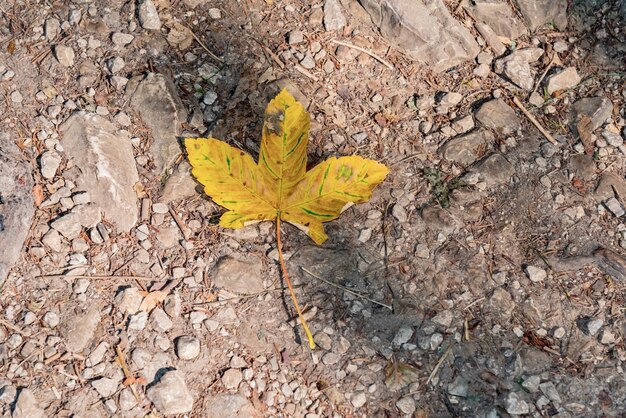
(183, 229)
(204, 47)
(305, 72)
(439, 363)
(352, 292)
(552, 61)
(106, 277)
(129, 376)
(13, 327)
(293, 295)
(534, 121)
(371, 54)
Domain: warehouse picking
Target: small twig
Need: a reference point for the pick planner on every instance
(439, 363)
(365, 51)
(129, 377)
(183, 229)
(252, 295)
(474, 303)
(204, 47)
(107, 277)
(274, 57)
(13, 327)
(552, 61)
(305, 72)
(534, 121)
(345, 289)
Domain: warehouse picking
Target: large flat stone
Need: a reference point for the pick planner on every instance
(78, 327)
(104, 157)
(227, 405)
(499, 16)
(424, 30)
(155, 98)
(499, 116)
(238, 276)
(463, 149)
(16, 203)
(539, 12)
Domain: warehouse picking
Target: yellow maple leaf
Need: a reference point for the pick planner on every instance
(278, 187)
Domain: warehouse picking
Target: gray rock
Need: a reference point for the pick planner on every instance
(515, 405)
(107, 166)
(67, 225)
(17, 207)
(518, 70)
(464, 124)
(424, 30)
(358, 399)
(89, 215)
(532, 383)
(599, 109)
(406, 405)
(127, 400)
(459, 387)
(172, 305)
(187, 347)
(52, 239)
(115, 64)
(65, 55)
(78, 328)
(490, 38)
(179, 185)
(128, 300)
(122, 39)
(403, 335)
(333, 15)
(539, 12)
(148, 15)
(493, 170)
(594, 325)
(27, 406)
(331, 358)
(549, 390)
(450, 99)
(170, 394)
(463, 149)
(160, 321)
(614, 139)
(501, 303)
(443, 318)
(536, 274)
(227, 405)
(565, 79)
(52, 27)
(516, 66)
(499, 116)
(607, 337)
(238, 276)
(49, 162)
(155, 99)
(138, 321)
(499, 16)
(51, 319)
(105, 386)
(614, 206)
(232, 378)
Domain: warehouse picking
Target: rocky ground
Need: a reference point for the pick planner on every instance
(485, 278)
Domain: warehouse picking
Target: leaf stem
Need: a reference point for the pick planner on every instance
(293, 295)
